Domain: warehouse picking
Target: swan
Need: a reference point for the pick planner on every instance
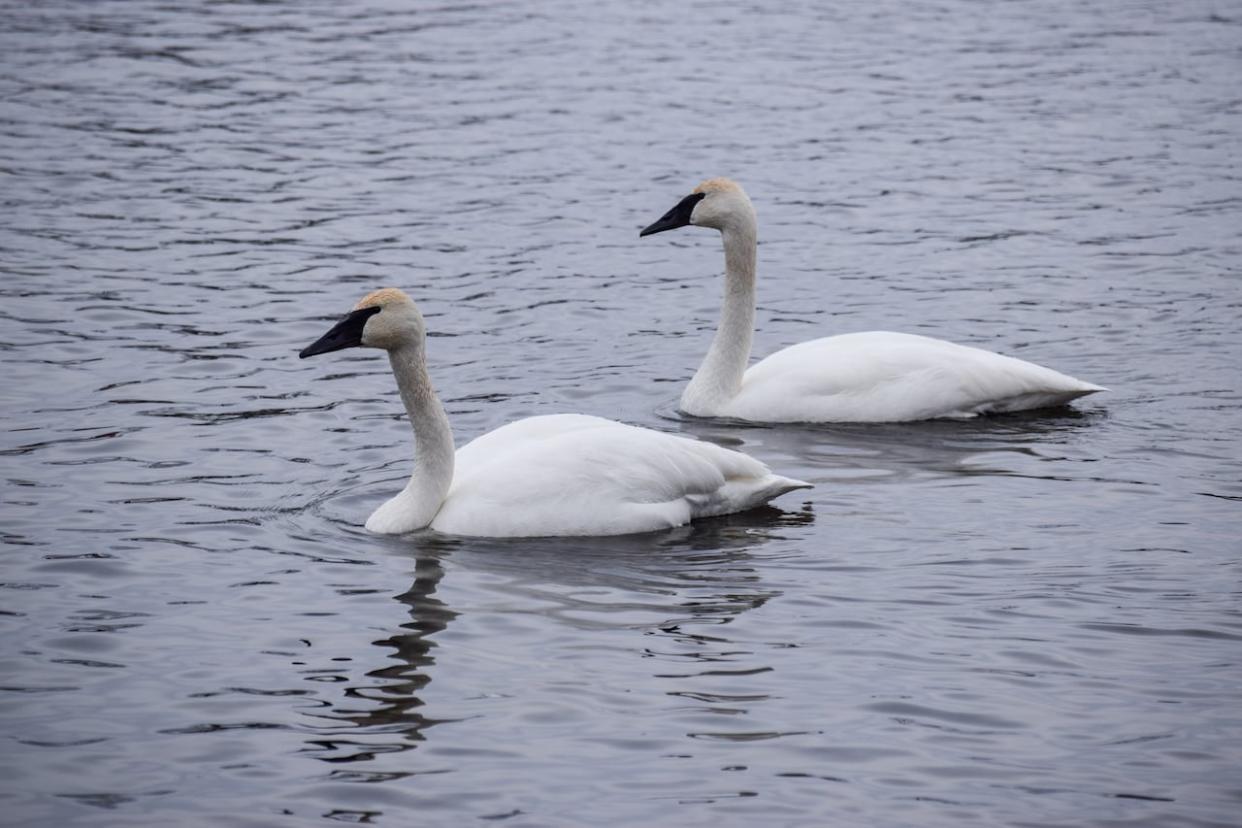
(560, 474)
(874, 376)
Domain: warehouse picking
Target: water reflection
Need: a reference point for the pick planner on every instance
(647, 562)
(393, 704)
(659, 583)
(897, 451)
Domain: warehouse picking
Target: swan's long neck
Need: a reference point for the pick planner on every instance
(719, 378)
(429, 483)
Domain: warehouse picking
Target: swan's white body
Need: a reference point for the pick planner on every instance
(875, 376)
(879, 376)
(571, 474)
(563, 474)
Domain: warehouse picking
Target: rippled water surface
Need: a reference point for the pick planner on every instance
(1028, 620)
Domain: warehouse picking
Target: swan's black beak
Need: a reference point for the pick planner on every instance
(679, 216)
(344, 334)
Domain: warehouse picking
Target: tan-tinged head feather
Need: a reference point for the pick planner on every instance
(381, 298)
(718, 185)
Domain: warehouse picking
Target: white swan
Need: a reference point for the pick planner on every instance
(859, 377)
(562, 474)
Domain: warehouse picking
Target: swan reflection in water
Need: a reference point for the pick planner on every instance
(889, 452)
(703, 573)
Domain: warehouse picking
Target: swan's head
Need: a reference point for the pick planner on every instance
(384, 318)
(717, 202)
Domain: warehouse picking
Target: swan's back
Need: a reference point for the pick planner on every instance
(571, 474)
(880, 376)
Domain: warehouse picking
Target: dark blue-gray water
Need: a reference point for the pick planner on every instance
(1025, 621)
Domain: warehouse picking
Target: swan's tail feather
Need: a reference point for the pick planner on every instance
(1034, 400)
(741, 493)
(773, 487)
(781, 485)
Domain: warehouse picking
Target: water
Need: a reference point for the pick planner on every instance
(1030, 620)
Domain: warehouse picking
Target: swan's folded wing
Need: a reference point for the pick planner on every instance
(882, 376)
(575, 475)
